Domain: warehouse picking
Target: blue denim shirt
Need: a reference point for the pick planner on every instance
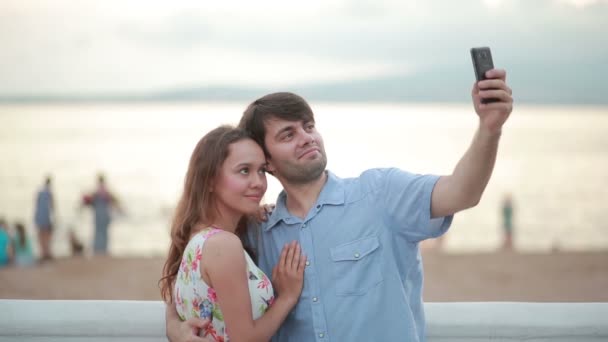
(363, 280)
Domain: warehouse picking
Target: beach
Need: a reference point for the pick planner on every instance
(449, 277)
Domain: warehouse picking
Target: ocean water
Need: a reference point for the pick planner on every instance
(553, 160)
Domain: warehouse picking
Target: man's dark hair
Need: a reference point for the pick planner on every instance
(284, 105)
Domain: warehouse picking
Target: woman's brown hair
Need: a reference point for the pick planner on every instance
(197, 204)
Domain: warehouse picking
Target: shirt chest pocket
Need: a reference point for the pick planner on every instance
(357, 266)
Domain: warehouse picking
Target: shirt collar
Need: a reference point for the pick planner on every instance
(332, 194)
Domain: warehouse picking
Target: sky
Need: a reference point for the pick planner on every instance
(80, 47)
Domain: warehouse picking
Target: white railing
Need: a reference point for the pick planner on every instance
(90, 320)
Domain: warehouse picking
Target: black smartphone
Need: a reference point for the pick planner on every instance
(482, 62)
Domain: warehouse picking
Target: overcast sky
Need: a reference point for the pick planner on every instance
(90, 46)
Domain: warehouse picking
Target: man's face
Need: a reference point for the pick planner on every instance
(297, 154)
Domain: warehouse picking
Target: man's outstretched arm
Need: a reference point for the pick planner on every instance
(184, 331)
(464, 187)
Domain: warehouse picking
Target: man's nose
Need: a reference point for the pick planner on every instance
(306, 137)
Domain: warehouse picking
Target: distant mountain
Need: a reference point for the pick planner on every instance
(545, 85)
(585, 85)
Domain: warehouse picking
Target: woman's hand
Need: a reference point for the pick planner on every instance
(288, 273)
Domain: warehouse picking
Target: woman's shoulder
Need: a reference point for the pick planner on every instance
(220, 240)
(216, 240)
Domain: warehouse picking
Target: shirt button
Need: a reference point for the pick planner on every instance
(318, 207)
(321, 335)
(314, 299)
(307, 263)
(304, 225)
(357, 255)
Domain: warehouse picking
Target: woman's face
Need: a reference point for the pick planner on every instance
(241, 181)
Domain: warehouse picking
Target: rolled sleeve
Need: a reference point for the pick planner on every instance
(407, 199)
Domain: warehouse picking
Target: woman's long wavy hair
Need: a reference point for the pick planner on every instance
(197, 203)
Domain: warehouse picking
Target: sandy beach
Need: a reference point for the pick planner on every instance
(500, 276)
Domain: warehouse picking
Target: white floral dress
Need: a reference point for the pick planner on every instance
(194, 298)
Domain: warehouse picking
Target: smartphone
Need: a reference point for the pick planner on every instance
(482, 62)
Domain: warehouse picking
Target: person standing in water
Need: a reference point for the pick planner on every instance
(43, 217)
(507, 222)
(102, 201)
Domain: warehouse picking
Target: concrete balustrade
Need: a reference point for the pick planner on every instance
(90, 320)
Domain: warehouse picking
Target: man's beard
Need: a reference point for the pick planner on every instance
(302, 174)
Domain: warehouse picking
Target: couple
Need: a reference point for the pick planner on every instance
(355, 272)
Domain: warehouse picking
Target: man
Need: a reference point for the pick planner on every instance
(363, 280)
(102, 201)
(43, 217)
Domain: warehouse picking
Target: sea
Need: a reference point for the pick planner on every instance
(552, 160)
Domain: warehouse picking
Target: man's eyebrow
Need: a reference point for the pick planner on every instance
(284, 129)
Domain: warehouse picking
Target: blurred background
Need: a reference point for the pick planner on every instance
(127, 88)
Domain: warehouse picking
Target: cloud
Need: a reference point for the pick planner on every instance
(132, 46)
(583, 3)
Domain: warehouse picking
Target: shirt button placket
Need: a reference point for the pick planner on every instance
(302, 227)
(319, 322)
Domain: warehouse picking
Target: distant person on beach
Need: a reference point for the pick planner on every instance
(103, 202)
(22, 246)
(364, 275)
(507, 222)
(43, 217)
(208, 273)
(6, 251)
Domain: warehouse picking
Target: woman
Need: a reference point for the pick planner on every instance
(6, 252)
(22, 246)
(208, 273)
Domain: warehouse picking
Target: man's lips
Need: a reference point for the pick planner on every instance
(308, 152)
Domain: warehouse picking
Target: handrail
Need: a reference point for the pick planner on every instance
(106, 320)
